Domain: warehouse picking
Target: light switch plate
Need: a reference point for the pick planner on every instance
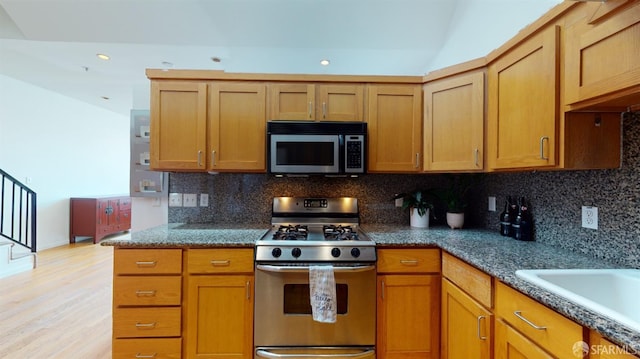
(492, 204)
(204, 200)
(190, 200)
(590, 217)
(175, 199)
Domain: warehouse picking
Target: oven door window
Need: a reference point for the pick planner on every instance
(297, 300)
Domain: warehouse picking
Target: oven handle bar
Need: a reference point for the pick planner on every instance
(267, 354)
(305, 269)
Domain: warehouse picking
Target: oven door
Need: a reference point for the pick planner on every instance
(305, 154)
(283, 311)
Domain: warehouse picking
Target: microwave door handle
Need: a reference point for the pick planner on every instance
(261, 353)
(305, 269)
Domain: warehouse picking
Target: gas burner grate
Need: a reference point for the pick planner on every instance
(291, 232)
(339, 233)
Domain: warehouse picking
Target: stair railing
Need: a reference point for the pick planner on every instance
(17, 212)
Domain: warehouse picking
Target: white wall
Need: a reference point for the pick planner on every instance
(467, 42)
(66, 147)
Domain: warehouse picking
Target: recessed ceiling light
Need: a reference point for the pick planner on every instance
(103, 57)
(324, 62)
(216, 59)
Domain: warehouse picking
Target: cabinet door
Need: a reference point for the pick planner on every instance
(454, 124)
(178, 125)
(237, 130)
(510, 344)
(292, 102)
(408, 316)
(395, 128)
(340, 103)
(602, 57)
(220, 316)
(466, 325)
(522, 113)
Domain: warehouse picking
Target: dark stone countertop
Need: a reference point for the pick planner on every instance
(498, 256)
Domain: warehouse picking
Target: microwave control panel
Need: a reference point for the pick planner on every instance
(354, 153)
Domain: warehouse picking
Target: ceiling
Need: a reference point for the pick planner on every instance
(53, 43)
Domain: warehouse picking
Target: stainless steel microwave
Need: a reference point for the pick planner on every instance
(311, 148)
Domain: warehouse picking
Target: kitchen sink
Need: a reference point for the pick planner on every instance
(612, 293)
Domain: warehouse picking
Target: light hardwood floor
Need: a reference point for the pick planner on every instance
(61, 309)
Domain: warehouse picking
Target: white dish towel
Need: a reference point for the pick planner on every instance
(322, 292)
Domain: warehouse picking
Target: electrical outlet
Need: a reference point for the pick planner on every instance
(590, 217)
(190, 200)
(492, 204)
(204, 200)
(175, 199)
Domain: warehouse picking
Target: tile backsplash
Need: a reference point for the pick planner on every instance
(556, 199)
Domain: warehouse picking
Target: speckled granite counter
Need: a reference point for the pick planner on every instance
(496, 255)
(176, 235)
(501, 257)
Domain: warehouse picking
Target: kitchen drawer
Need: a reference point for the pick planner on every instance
(220, 261)
(473, 281)
(147, 290)
(146, 322)
(408, 260)
(147, 261)
(156, 348)
(550, 330)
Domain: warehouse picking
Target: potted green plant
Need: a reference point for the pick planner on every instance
(420, 205)
(455, 199)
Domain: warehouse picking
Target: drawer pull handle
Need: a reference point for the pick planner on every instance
(217, 263)
(146, 325)
(518, 314)
(146, 293)
(146, 264)
(479, 333)
(409, 262)
(138, 355)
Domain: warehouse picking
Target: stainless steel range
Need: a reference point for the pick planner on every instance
(306, 233)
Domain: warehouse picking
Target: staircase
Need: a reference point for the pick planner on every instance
(13, 260)
(17, 226)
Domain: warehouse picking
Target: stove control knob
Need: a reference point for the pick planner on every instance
(335, 252)
(296, 252)
(276, 252)
(355, 252)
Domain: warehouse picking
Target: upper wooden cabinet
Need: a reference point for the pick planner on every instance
(316, 102)
(340, 102)
(292, 101)
(237, 113)
(523, 104)
(602, 61)
(454, 123)
(178, 125)
(225, 133)
(394, 120)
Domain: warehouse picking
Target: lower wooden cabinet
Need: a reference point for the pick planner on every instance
(511, 344)
(408, 304)
(601, 348)
(219, 307)
(156, 348)
(147, 298)
(524, 320)
(466, 317)
(466, 325)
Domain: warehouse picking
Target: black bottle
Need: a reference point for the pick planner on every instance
(522, 224)
(513, 212)
(505, 219)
